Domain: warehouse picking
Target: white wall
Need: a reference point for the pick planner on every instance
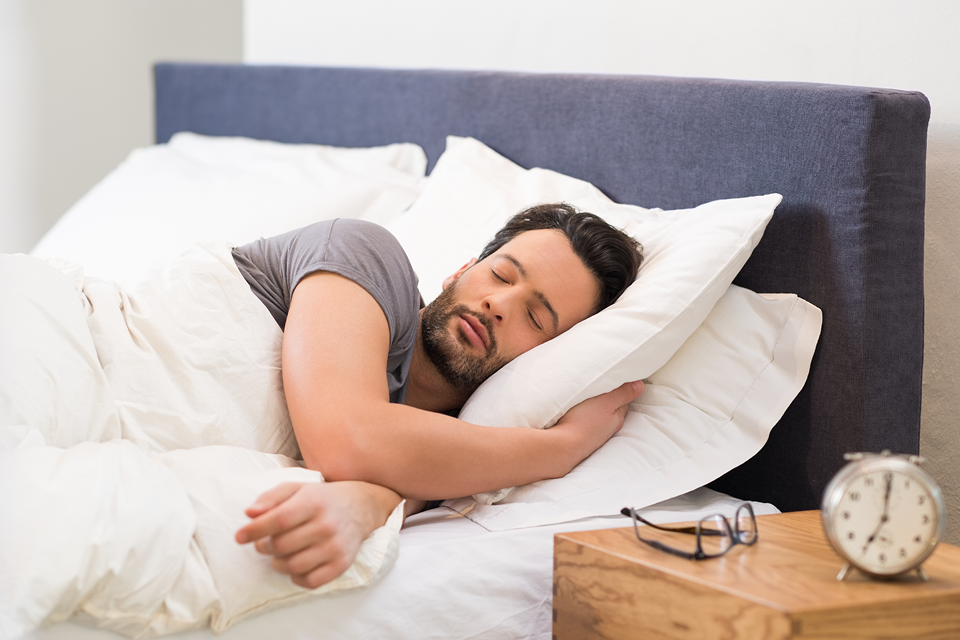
(77, 85)
(904, 44)
(18, 127)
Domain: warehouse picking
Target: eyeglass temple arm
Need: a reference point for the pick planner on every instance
(663, 547)
(630, 513)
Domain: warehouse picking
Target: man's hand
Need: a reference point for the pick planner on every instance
(314, 530)
(595, 420)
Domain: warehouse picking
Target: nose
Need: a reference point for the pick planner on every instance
(497, 305)
(492, 308)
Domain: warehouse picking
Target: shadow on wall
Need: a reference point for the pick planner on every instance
(939, 441)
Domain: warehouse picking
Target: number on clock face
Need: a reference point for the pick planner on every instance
(886, 520)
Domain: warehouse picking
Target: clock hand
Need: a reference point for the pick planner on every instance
(886, 508)
(886, 496)
(873, 536)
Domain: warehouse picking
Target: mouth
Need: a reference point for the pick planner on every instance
(474, 331)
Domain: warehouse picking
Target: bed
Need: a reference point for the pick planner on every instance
(847, 237)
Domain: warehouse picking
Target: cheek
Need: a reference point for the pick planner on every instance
(518, 340)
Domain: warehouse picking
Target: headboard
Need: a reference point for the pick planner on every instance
(848, 236)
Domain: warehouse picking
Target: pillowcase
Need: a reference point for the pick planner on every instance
(164, 198)
(708, 410)
(691, 257)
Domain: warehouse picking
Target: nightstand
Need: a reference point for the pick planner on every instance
(606, 584)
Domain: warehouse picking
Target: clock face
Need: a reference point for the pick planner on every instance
(886, 520)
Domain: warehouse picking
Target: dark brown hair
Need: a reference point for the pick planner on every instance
(608, 253)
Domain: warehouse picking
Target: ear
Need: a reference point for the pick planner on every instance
(459, 272)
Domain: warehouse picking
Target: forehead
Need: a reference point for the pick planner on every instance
(550, 265)
(541, 247)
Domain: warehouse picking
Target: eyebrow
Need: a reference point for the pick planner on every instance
(539, 294)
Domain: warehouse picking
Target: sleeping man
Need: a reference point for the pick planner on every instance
(346, 298)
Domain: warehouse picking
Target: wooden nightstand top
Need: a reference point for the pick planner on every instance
(788, 580)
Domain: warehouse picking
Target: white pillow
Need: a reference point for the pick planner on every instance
(163, 198)
(691, 256)
(708, 410)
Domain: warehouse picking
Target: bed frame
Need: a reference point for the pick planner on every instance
(848, 236)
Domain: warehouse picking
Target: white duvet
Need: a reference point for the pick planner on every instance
(135, 428)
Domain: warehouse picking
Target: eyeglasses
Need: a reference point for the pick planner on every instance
(715, 534)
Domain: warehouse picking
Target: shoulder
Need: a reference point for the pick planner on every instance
(369, 255)
(339, 237)
(319, 234)
(362, 233)
(360, 227)
(363, 246)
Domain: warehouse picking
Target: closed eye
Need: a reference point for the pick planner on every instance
(533, 319)
(505, 260)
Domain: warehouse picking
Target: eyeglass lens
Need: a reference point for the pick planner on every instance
(715, 535)
(746, 526)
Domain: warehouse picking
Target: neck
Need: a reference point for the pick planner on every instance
(426, 388)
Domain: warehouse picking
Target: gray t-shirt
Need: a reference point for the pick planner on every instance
(362, 251)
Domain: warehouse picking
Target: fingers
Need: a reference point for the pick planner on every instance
(282, 512)
(314, 530)
(321, 575)
(269, 499)
(316, 548)
(622, 396)
(291, 541)
(336, 551)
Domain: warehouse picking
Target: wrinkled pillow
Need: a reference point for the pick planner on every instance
(195, 188)
(691, 257)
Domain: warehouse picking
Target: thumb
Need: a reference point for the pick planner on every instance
(627, 392)
(269, 499)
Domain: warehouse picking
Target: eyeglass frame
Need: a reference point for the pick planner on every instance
(699, 554)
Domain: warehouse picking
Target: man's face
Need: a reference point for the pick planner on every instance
(531, 290)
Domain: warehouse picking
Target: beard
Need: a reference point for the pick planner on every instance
(446, 349)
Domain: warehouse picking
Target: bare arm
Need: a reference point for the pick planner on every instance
(372, 452)
(334, 349)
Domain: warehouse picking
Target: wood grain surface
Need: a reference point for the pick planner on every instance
(609, 585)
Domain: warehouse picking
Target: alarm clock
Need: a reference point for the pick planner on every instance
(883, 514)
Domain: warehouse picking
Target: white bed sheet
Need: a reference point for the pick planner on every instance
(453, 580)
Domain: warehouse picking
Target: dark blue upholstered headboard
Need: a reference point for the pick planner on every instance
(848, 236)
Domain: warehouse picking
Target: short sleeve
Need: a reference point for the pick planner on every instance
(361, 251)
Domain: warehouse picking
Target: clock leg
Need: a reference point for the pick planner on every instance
(843, 572)
(923, 574)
